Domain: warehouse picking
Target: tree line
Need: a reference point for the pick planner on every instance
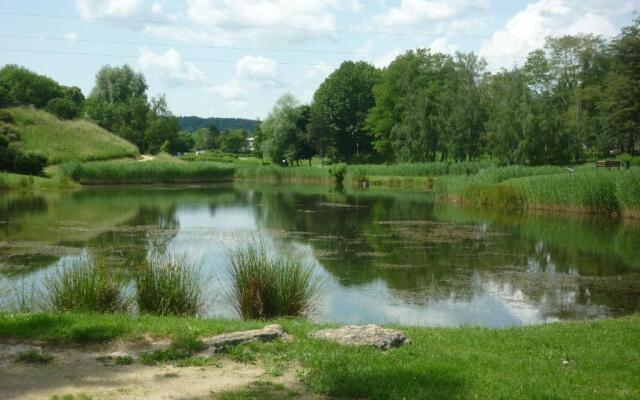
(576, 98)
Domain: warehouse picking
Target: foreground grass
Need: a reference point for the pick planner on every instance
(149, 172)
(61, 141)
(587, 360)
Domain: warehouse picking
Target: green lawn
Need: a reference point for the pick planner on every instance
(585, 360)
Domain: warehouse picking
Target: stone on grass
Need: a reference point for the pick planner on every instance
(268, 333)
(364, 335)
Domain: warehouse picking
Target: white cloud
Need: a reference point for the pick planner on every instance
(170, 67)
(442, 45)
(109, 8)
(231, 21)
(258, 69)
(71, 36)
(527, 30)
(416, 13)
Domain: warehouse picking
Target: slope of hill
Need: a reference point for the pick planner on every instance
(193, 123)
(61, 141)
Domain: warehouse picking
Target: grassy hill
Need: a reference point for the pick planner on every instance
(61, 141)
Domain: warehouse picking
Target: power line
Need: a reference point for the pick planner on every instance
(182, 45)
(204, 60)
(248, 26)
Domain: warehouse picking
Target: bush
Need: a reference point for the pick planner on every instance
(63, 108)
(169, 285)
(6, 116)
(267, 285)
(82, 286)
(29, 163)
(338, 172)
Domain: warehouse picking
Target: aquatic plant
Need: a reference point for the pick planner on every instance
(168, 284)
(149, 172)
(269, 283)
(82, 285)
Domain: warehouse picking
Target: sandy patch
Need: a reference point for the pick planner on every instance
(76, 371)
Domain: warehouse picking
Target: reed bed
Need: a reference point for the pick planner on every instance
(271, 172)
(170, 285)
(81, 285)
(149, 172)
(270, 283)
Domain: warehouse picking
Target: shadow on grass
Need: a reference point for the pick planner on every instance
(61, 328)
(392, 382)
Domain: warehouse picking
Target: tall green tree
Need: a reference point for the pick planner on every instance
(340, 105)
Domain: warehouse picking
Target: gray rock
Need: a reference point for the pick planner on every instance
(268, 333)
(364, 335)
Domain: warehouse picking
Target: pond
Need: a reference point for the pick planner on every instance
(383, 255)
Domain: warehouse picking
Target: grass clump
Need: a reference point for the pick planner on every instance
(182, 349)
(34, 357)
(169, 285)
(81, 285)
(149, 172)
(266, 284)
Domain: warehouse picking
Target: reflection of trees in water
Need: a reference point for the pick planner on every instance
(419, 265)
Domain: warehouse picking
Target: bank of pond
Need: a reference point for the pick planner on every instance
(582, 188)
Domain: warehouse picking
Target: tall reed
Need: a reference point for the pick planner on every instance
(170, 285)
(269, 284)
(84, 286)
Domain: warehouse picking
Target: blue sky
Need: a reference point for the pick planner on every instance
(236, 57)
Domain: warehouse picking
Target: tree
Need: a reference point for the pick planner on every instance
(284, 131)
(234, 140)
(118, 103)
(341, 104)
(207, 138)
(621, 101)
(63, 108)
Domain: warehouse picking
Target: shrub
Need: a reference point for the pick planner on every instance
(29, 163)
(338, 172)
(81, 285)
(169, 285)
(63, 108)
(267, 285)
(6, 116)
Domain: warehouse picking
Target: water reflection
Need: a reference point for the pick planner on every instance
(384, 255)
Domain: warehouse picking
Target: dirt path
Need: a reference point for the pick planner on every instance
(77, 371)
(144, 158)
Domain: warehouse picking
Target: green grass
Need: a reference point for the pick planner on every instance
(148, 172)
(585, 360)
(211, 156)
(72, 397)
(259, 390)
(169, 285)
(271, 172)
(83, 285)
(181, 350)
(34, 357)
(9, 181)
(62, 141)
(267, 285)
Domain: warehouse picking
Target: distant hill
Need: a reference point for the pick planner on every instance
(60, 141)
(193, 123)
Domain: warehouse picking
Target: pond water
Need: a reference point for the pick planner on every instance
(384, 256)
